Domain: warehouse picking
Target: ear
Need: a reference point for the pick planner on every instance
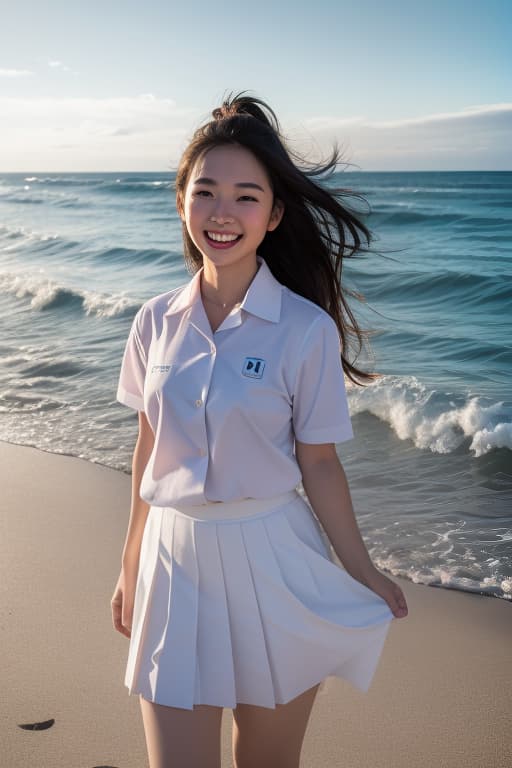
(276, 215)
(179, 207)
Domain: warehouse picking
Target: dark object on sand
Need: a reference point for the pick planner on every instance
(37, 726)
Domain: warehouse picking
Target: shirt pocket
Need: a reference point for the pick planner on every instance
(258, 403)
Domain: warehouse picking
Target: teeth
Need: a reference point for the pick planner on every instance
(221, 238)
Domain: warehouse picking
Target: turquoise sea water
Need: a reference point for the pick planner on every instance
(430, 467)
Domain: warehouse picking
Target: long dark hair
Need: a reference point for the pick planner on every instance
(317, 232)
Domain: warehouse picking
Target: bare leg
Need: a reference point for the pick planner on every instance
(182, 738)
(271, 737)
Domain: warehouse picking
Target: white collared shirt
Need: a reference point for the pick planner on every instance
(225, 407)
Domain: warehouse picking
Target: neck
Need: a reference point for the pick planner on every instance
(227, 285)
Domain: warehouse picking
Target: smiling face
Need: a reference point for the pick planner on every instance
(229, 205)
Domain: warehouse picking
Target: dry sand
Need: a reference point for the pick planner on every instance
(440, 698)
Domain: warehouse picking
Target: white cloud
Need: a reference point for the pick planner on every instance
(59, 65)
(15, 72)
(473, 138)
(143, 132)
(325, 122)
(147, 132)
(445, 117)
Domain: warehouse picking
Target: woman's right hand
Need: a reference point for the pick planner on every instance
(123, 599)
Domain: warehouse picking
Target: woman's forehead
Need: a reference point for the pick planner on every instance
(229, 164)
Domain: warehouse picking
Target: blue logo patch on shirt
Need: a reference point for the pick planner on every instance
(253, 367)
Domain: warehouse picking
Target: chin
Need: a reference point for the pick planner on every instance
(226, 259)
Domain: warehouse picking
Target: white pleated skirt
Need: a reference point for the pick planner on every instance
(241, 602)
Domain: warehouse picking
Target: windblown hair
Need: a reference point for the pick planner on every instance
(317, 231)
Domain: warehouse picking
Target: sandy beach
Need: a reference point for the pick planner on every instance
(440, 697)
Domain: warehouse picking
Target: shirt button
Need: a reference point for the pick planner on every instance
(199, 403)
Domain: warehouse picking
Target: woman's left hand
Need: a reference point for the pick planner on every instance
(389, 591)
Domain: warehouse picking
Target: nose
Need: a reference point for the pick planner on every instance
(221, 214)
(221, 219)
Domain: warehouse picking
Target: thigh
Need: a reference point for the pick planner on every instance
(182, 738)
(271, 737)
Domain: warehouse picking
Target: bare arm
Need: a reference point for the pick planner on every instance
(327, 489)
(139, 508)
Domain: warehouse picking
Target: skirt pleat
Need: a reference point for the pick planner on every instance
(213, 631)
(251, 659)
(250, 610)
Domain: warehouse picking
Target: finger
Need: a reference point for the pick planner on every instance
(126, 618)
(400, 602)
(392, 599)
(116, 614)
(118, 625)
(127, 625)
(401, 597)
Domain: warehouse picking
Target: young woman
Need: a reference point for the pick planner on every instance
(228, 589)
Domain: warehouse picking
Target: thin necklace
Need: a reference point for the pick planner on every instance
(222, 304)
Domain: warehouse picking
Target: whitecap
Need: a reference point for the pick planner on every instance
(434, 421)
(45, 292)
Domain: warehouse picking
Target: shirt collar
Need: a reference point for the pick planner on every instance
(263, 297)
(186, 297)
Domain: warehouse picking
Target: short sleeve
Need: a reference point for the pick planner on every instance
(130, 390)
(320, 406)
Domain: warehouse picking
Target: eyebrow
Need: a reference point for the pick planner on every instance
(240, 184)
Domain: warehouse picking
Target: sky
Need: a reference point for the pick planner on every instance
(120, 86)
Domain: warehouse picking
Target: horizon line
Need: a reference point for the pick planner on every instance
(367, 170)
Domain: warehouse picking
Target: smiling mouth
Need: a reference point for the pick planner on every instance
(218, 237)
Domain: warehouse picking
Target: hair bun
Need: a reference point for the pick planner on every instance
(220, 113)
(240, 104)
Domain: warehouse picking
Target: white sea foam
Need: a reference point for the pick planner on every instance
(431, 420)
(44, 292)
(105, 305)
(498, 437)
(25, 194)
(41, 291)
(23, 236)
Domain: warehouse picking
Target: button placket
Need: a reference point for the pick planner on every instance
(200, 402)
(211, 360)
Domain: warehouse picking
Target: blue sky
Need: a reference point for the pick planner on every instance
(120, 85)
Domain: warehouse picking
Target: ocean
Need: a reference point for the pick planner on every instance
(430, 466)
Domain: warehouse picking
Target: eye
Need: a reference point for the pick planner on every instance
(202, 193)
(248, 197)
